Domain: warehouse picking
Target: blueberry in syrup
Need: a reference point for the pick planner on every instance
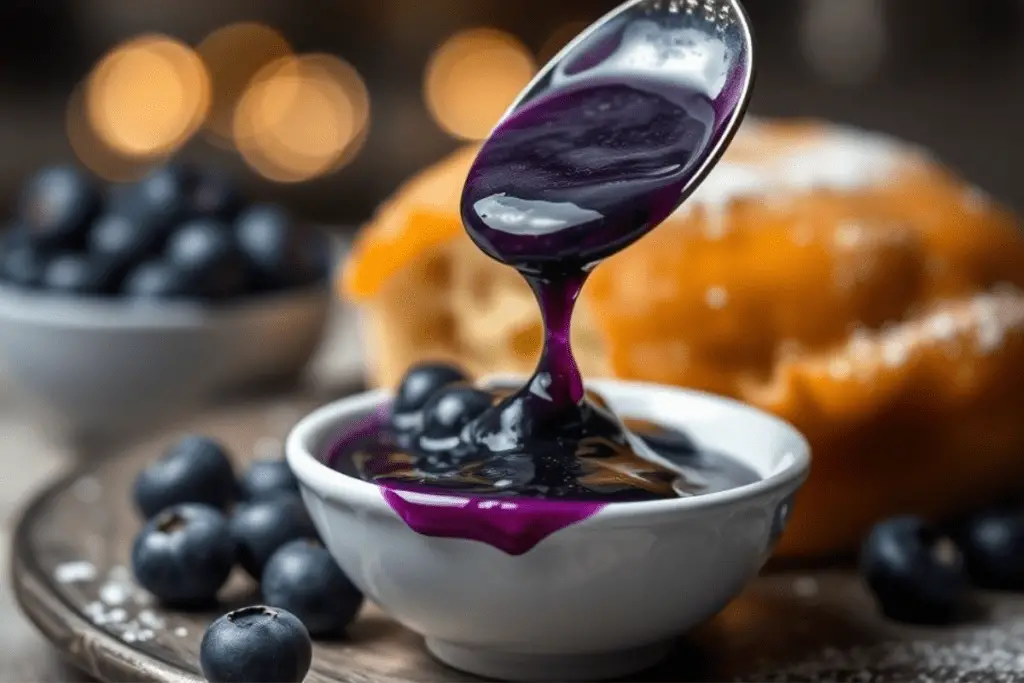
(450, 409)
(304, 579)
(213, 195)
(206, 252)
(916, 572)
(157, 280)
(57, 206)
(77, 274)
(195, 470)
(267, 479)
(993, 547)
(257, 644)
(184, 555)
(278, 252)
(421, 382)
(261, 527)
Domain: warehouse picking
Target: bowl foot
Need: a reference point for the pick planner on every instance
(526, 667)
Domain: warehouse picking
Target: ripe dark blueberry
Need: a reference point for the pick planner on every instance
(261, 527)
(206, 252)
(157, 280)
(256, 645)
(278, 252)
(421, 382)
(58, 205)
(993, 547)
(24, 264)
(451, 409)
(267, 479)
(214, 195)
(195, 470)
(916, 573)
(184, 555)
(77, 274)
(304, 579)
(122, 241)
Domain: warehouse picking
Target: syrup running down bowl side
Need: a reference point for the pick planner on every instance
(599, 598)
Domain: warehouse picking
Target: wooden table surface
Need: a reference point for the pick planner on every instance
(29, 460)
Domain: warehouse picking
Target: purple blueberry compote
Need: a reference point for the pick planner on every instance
(570, 177)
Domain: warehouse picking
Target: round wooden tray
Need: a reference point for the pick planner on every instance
(70, 577)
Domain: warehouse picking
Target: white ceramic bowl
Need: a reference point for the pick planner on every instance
(101, 367)
(598, 599)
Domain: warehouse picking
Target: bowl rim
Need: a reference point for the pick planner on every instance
(38, 307)
(332, 485)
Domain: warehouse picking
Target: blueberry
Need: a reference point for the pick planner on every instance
(161, 199)
(916, 573)
(157, 280)
(184, 555)
(261, 527)
(304, 579)
(277, 251)
(256, 645)
(24, 264)
(57, 206)
(213, 195)
(195, 470)
(267, 479)
(993, 547)
(206, 252)
(123, 241)
(421, 382)
(77, 274)
(452, 408)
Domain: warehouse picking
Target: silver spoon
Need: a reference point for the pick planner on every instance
(704, 45)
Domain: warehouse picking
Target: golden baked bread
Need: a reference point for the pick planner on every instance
(842, 280)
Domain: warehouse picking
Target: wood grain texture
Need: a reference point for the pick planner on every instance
(812, 625)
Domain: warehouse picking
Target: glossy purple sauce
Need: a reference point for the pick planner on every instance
(574, 177)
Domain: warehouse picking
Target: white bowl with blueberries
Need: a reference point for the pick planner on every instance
(127, 304)
(549, 589)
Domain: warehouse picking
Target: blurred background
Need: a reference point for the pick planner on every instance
(327, 105)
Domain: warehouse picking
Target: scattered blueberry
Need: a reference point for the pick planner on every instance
(24, 265)
(184, 555)
(261, 527)
(304, 579)
(206, 252)
(57, 206)
(77, 274)
(421, 382)
(157, 280)
(267, 479)
(993, 547)
(277, 251)
(213, 195)
(452, 408)
(916, 573)
(195, 470)
(256, 645)
(122, 241)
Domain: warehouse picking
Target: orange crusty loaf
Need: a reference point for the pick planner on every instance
(839, 279)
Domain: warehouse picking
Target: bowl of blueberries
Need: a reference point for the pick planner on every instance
(127, 303)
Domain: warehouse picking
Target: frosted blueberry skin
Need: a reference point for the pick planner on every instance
(197, 469)
(256, 645)
(916, 572)
(184, 555)
(266, 480)
(260, 528)
(57, 206)
(993, 547)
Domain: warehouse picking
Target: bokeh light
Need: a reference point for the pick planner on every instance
(93, 152)
(473, 77)
(560, 38)
(302, 117)
(147, 96)
(233, 56)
